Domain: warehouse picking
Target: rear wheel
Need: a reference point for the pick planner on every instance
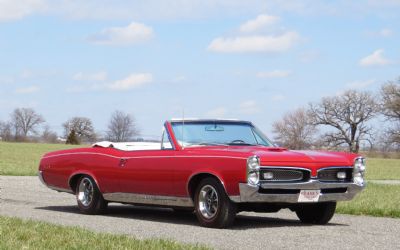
(213, 206)
(320, 213)
(88, 196)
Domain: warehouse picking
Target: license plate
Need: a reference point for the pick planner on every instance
(309, 195)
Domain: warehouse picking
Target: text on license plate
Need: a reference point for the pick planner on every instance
(309, 195)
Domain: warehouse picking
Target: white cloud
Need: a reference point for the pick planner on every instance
(248, 107)
(131, 82)
(375, 59)
(132, 34)
(309, 56)
(360, 84)
(278, 98)
(97, 76)
(385, 32)
(256, 43)
(217, 112)
(135, 80)
(259, 23)
(17, 9)
(179, 78)
(27, 90)
(274, 74)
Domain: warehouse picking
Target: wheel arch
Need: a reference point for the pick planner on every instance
(195, 179)
(73, 179)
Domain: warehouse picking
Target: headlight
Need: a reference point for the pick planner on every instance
(359, 170)
(253, 170)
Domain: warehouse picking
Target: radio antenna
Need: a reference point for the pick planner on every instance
(183, 124)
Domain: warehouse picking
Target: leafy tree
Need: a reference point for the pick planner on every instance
(72, 138)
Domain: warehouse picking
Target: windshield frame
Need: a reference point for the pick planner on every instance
(266, 142)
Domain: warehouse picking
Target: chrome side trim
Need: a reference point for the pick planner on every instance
(250, 193)
(149, 199)
(148, 157)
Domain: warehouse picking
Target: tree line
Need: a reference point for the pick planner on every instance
(345, 121)
(24, 125)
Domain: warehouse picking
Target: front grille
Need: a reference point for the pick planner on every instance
(285, 175)
(330, 174)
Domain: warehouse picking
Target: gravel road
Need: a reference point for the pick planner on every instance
(26, 197)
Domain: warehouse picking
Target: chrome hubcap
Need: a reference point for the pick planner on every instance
(85, 191)
(208, 201)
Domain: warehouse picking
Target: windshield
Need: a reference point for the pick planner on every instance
(218, 133)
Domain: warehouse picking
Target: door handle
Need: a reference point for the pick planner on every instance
(122, 162)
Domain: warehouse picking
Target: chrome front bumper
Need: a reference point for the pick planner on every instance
(249, 193)
(40, 175)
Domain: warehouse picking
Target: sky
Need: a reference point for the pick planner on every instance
(252, 60)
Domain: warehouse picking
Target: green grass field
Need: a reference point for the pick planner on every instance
(383, 169)
(23, 158)
(376, 200)
(21, 234)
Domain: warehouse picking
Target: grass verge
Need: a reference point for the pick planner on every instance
(383, 169)
(376, 200)
(23, 158)
(21, 234)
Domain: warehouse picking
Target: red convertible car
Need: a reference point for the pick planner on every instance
(216, 168)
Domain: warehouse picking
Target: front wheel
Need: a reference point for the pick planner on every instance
(88, 196)
(320, 213)
(213, 206)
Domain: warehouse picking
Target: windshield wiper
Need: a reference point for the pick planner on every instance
(241, 144)
(212, 143)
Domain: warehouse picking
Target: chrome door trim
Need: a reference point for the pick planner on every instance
(172, 201)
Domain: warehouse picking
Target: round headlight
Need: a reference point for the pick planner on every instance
(359, 170)
(253, 163)
(253, 178)
(253, 170)
(359, 164)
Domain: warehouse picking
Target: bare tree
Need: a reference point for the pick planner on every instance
(390, 103)
(348, 114)
(121, 127)
(25, 121)
(294, 130)
(81, 126)
(6, 131)
(48, 135)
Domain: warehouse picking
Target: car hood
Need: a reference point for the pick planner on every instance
(281, 156)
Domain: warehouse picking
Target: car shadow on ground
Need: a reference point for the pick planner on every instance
(167, 215)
